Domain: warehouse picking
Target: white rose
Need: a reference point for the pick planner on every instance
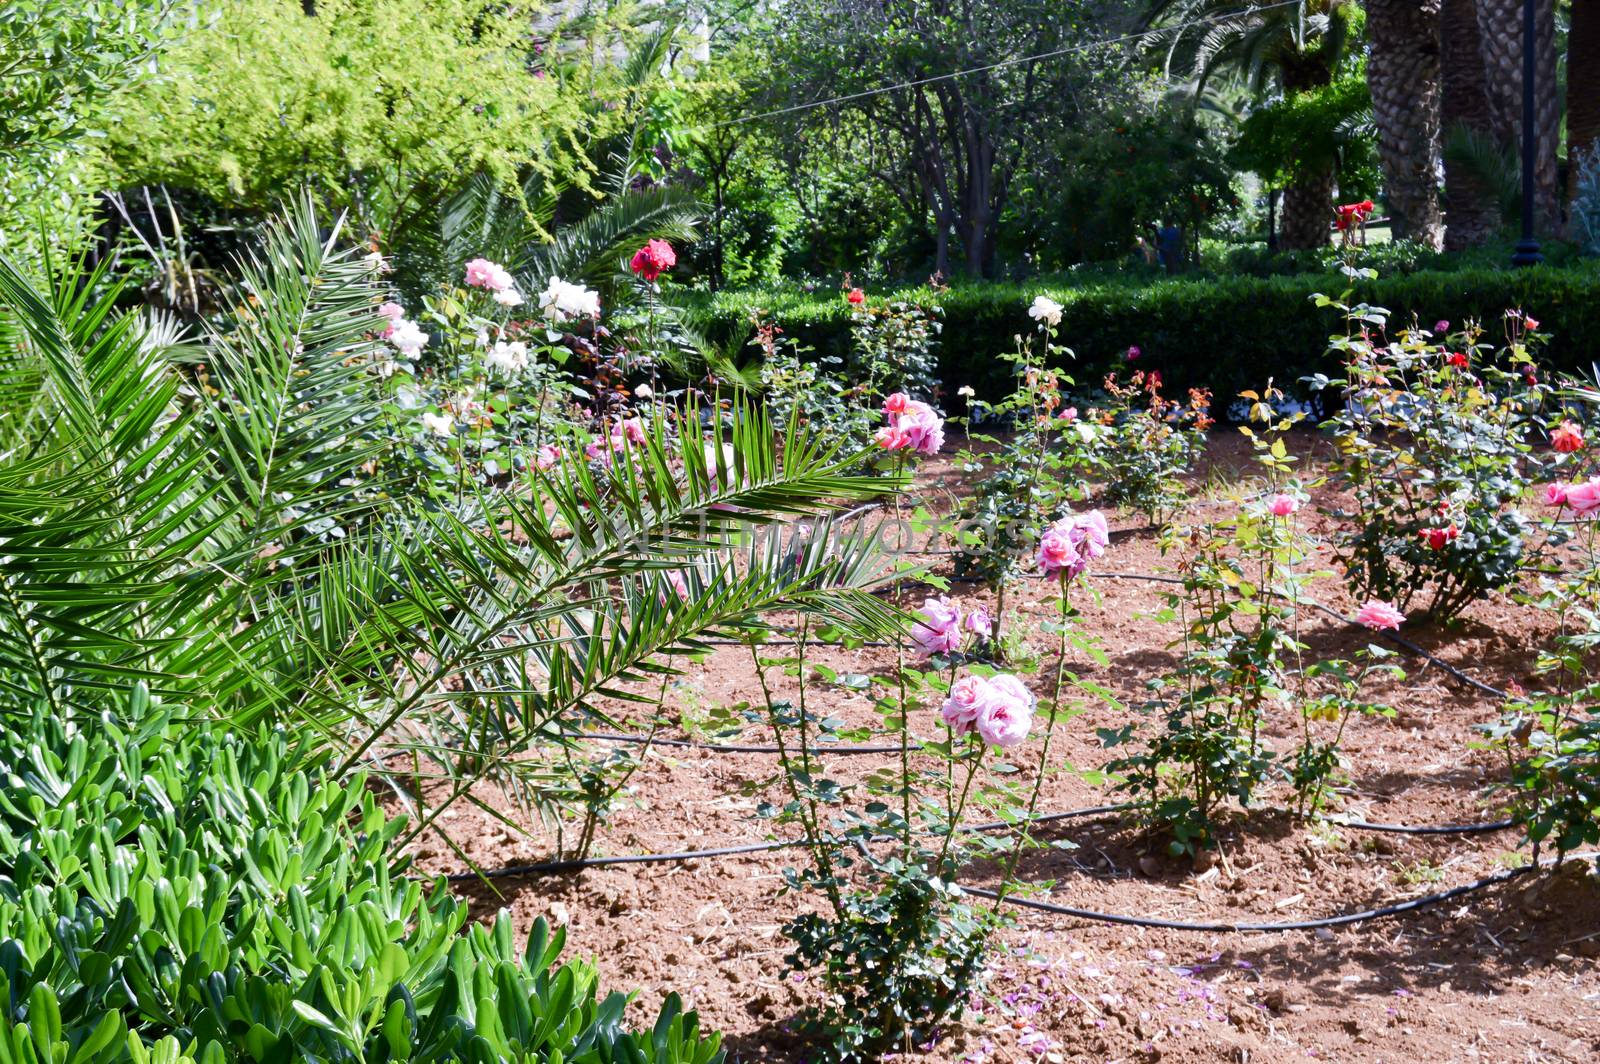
(562, 301)
(438, 424)
(507, 358)
(407, 338)
(1046, 310)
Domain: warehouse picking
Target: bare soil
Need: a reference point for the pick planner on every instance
(1504, 974)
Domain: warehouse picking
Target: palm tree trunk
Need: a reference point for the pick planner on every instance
(1500, 28)
(1472, 203)
(1307, 210)
(1583, 85)
(1403, 76)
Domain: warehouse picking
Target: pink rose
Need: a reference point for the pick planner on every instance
(978, 621)
(1134, 353)
(394, 312)
(1090, 534)
(1282, 505)
(938, 629)
(1377, 615)
(967, 698)
(548, 456)
(891, 438)
(924, 432)
(1584, 498)
(481, 273)
(1555, 495)
(1072, 543)
(1006, 715)
(1441, 326)
(1069, 414)
(633, 430)
(913, 424)
(679, 585)
(1056, 552)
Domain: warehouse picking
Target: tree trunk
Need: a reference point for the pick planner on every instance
(1500, 28)
(1403, 76)
(1583, 85)
(1307, 211)
(1472, 203)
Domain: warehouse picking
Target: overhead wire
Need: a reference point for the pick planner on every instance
(1055, 53)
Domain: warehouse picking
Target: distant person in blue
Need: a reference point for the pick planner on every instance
(1169, 245)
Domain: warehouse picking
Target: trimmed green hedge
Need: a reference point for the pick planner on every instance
(171, 895)
(1223, 334)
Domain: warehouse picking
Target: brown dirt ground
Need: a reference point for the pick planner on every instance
(1507, 974)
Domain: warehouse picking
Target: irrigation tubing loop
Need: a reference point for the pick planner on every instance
(1124, 919)
(1092, 915)
(579, 863)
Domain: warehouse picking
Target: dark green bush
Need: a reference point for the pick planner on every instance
(171, 894)
(1223, 334)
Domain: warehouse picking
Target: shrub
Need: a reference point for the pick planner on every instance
(1433, 438)
(1243, 578)
(1144, 443)
(168, 890)
(1226, 335)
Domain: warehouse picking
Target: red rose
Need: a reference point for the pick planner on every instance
(653, 259)
(1567, 438)
(1458, 360)
(856, 296)
(1437, 538)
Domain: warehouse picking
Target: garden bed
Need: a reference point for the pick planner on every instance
(1506, 973)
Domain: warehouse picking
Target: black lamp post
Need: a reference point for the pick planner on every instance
(1527, 253)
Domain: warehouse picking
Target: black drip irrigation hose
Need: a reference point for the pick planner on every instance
(579, 863)
(733, 748)
(1341, 920)
(763, 748)
(1092, 915)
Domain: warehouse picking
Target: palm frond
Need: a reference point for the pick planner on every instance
(595, 250)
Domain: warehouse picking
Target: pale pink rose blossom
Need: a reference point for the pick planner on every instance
(481, 273)
(1282, 505)
(1377, 615)
(1555, 494)
(1056, 552)
(633, 429)
(1006, 715)
(1584, 498)
(393, 312)
(548, 456)
(979, 622)
(1091, 535)
(938, 628)
(1008, 686)
(1069, 545)
(967, 698)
